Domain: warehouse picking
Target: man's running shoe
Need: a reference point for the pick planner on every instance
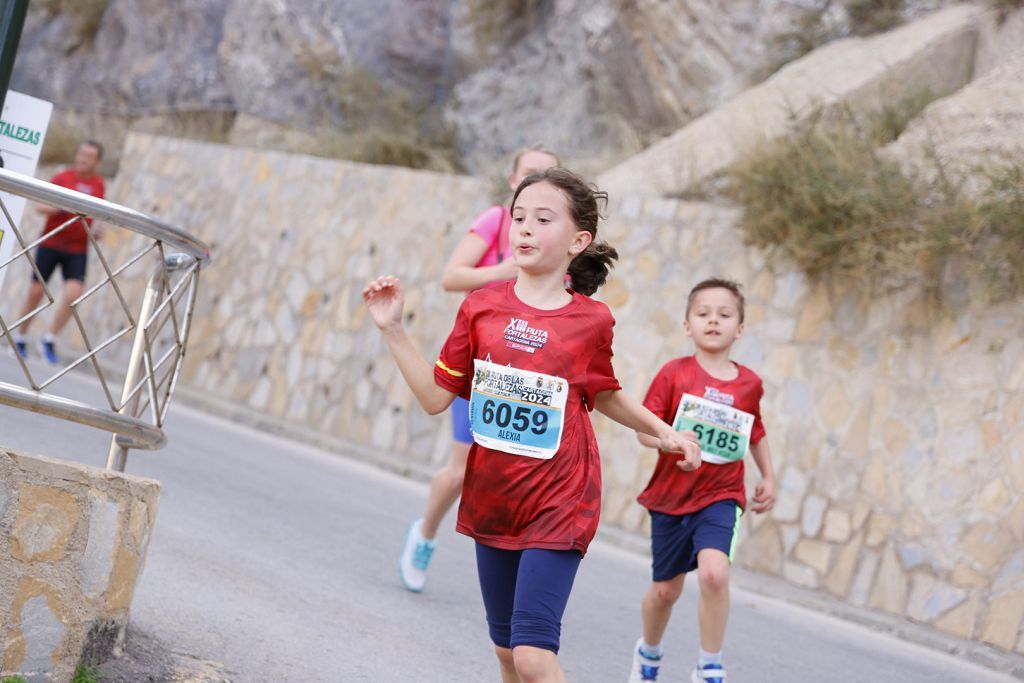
(645, 666)
(710, 673)
(22, 347)
(412, 566)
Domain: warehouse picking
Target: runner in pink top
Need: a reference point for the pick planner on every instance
(483, 259)
(491, 226)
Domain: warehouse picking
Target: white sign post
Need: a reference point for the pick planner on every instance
(22, 129)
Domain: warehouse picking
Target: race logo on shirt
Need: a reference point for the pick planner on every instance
(519, 335)
(713, 394)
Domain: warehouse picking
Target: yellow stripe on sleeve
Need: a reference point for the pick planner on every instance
(453, 373)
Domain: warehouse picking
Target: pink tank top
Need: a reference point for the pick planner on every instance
(493, 226)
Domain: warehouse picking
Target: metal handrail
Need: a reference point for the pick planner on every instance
(129, 431)
(80, 203)
(117, 456)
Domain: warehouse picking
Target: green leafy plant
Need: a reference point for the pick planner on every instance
(86, 674)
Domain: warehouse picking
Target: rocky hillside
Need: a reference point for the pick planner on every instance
(450, 84)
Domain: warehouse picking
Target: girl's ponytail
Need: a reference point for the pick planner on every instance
(589, 270)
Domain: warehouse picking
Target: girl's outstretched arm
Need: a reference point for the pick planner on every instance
(385, 300)
(631, 413)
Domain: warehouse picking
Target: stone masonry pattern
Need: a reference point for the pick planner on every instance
(73, 542)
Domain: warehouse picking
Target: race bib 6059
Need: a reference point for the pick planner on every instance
(517, 411)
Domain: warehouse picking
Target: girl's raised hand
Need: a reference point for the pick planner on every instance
(385, 300)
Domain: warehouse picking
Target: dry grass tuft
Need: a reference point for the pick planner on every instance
(85, 15)
(825, 201)
(495, 23)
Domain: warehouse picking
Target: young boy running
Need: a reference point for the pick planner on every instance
(695, 514)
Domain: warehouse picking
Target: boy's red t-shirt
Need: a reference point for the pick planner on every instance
(671, 490)
(71, 239)
(514, 502)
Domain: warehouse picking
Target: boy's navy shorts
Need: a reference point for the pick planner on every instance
(676, 539)
(461, 430)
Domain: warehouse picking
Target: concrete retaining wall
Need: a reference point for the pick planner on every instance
(73, 542)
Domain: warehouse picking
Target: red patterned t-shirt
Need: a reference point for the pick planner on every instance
(515, 501)
(671, 490)
(71, 239)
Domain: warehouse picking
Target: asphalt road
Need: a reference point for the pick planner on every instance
(279, 561)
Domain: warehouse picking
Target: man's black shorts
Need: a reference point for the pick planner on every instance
(72, 266)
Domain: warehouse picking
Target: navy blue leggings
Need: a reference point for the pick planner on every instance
(525, 593)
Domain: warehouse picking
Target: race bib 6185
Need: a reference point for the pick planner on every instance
(723, 431)
(517, 411)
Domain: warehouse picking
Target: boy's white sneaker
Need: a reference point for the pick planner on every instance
(412, 566)
(645, 667)
(710, 673)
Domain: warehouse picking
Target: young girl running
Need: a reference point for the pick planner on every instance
(533, 358)
(482, 259)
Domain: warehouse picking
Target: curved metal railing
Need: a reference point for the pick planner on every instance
(160, 326)
(92, 207)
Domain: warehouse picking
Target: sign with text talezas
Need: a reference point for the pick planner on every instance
(22, 129)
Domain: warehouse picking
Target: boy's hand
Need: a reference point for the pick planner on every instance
(764, 495)
(385, 300)
(684, 443)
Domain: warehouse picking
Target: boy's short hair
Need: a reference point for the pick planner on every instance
(717, 283)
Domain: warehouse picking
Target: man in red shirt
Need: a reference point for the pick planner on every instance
(67, 248)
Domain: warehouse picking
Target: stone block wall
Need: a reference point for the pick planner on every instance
(897, 428)
(73, 541)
